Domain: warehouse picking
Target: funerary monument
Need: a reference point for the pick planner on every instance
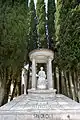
(42, 102)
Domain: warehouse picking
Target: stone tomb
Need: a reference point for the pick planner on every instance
(41, 104)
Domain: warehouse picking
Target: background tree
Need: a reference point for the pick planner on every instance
(51, 23)
(32, 26)
(13, 44)
(32, 34)
(41, 27)
(51, 32)
(66, 55)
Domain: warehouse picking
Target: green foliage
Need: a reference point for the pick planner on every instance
(69, 39)
(32, 32)
(41, 27)
(13, 42)
(57, 17)
(13, 35)
(51, 22)
(18, 33)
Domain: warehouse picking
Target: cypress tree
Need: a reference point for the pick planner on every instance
(32, 38)
(62, 21)
(13, 31)
(41, 27)
(51, 32)
(67, 34)
(51, 22)
(27, 3)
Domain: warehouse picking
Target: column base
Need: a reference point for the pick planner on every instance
(33, 88)
(50, 88)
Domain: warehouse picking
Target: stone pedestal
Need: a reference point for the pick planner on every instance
(45, 93)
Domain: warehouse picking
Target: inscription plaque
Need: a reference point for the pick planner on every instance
(46, 116)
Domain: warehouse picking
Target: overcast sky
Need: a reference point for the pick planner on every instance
(36, 2)
(45, 1)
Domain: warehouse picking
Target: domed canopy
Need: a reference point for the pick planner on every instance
(41, 55)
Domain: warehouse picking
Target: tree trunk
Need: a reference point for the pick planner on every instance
(76, 84)
(69, 85)
(60, 82)
(74, 77)
(54, 78)
(1, 95)
(19, 85)
(1, 86)
(73, 87)
(65, 84)
(13, 90)
(7, 85)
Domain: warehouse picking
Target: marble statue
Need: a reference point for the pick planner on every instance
(41, 79)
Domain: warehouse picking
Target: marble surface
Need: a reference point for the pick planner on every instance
(41, 107)
(41, 55)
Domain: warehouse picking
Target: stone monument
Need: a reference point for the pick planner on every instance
(41, 103)
(42, 56)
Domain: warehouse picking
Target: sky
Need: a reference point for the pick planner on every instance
(35, 1)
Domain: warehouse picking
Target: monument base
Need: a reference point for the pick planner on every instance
(41, 106)
(44, 93)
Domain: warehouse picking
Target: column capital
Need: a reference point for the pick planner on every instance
(49, 59)
(33, 58)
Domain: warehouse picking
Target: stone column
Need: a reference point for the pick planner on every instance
(49, 74)
(25, 81)
(33, 74)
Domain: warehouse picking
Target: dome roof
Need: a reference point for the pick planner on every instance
(41, 55)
